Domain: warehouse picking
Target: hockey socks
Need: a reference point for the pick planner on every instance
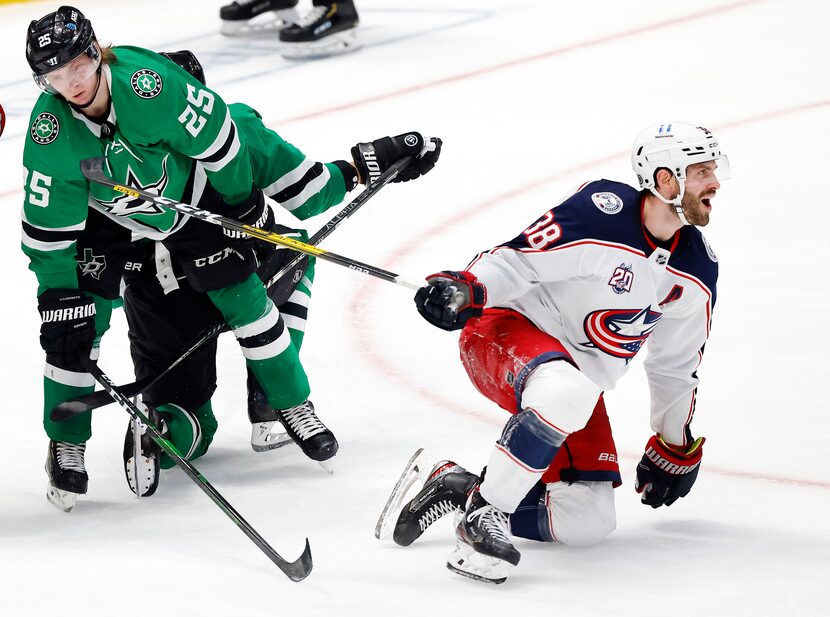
(265, 341)
(522, 454)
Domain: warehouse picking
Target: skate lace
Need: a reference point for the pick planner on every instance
(71, 456)
(492, 520)
(313, 15)
(434, 513)
(303, 421)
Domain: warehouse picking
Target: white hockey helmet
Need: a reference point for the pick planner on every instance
(674, 146)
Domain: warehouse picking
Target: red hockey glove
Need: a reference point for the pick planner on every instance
(450, 299)
(667, 472)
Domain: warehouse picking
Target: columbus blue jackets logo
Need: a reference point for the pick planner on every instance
(620, 332)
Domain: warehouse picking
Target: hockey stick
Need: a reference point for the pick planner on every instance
(295, 570)
(93, 170)
(94, 400)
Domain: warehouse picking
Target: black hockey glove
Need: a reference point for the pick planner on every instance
(373, 158)
(667, 472)
(253, 211)
(450, 299)
(68, 322)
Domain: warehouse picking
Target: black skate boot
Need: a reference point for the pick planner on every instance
(266, 431)
(315, 440)
(249, 16)
(142, 455)
(445, 491)
(326, 30)
(483, 551)
(67, 474)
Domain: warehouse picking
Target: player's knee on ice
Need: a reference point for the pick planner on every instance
(190, 431)
(578, 514)
(561, 395)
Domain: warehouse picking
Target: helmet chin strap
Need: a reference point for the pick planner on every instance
(677, 202)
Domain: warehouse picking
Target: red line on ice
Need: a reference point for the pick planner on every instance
(509, 64)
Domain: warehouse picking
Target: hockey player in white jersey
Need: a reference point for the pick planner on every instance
(550, 320)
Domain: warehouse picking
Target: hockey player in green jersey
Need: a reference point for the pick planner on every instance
(161, 129)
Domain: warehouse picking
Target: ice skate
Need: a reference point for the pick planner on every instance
(244, 17)
(266, 431)
(304, 427)
(67, 474)
(417, 470)
(483, 551)
(445, 491)
(142, 455)
(327, 30)
(267, 436)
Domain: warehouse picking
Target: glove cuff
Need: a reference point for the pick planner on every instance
(349, 174)
(672, 461)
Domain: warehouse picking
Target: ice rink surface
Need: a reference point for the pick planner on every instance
(530, 98)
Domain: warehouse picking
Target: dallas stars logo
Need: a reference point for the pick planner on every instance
(92, 265)
(45, 128)
(125, 205)
(146, 83)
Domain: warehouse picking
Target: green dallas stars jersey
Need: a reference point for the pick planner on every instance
(172, 135)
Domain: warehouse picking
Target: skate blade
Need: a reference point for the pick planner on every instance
(280, 440)
(416, 470)
(267, 23)
(341, 43)
(465, 561)
(62, 500)
(327, 466)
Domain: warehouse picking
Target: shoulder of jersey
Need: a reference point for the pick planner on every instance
(700, 259)
(607, 197)
(49, 143)
(142, 75)
(602, 210)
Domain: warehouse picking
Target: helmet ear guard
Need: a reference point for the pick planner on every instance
(674, 146)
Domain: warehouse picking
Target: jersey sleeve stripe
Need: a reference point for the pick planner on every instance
(311, 189)
(39, 245)
(79, 227)
(298, 187)
(225, 154)
(221, 140)
(42, 234)
(290, 178)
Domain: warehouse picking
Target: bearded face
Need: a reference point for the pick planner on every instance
(701, 186)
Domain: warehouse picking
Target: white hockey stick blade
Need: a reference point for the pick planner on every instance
(416, 470)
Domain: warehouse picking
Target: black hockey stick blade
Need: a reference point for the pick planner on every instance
(296, 570)
(94, 400)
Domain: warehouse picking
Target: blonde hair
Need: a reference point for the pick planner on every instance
(107, 54)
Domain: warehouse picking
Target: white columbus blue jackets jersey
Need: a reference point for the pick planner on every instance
(588, 273)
